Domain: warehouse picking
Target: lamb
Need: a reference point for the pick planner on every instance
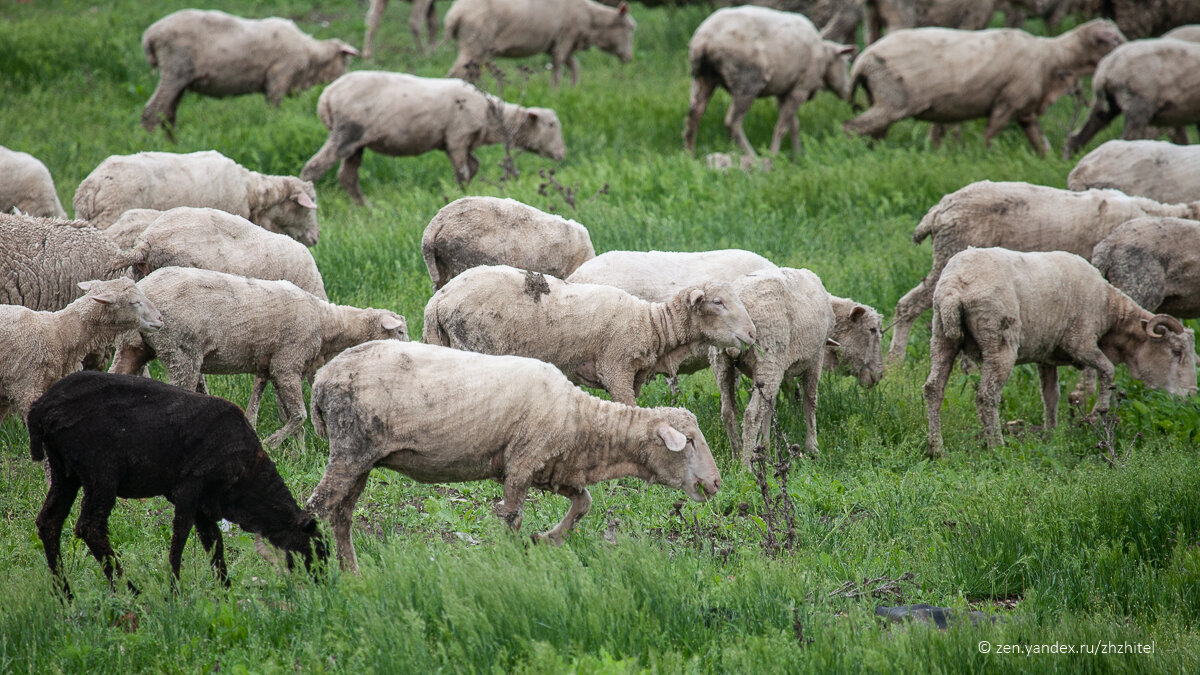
(126, 229)
(475, 231)
(794, 319)
(516, 28)
(215, 240)
(1156, 262)
(656, 276)
(26, 185)
(1154, 82)
(164, 180)
(225, 324)
(897, 14)
(944, 75)
(1052, 308)
(435, 415)
(217, 54)
(41, 348)
(755, 52)
(1021, 217)
(598, 335)
(1157, 170)
(404, 115)
(134, 437)
(424, 15)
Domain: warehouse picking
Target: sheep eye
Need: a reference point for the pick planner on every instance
(718, 302)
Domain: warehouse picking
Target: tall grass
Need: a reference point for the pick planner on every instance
(1041, 534)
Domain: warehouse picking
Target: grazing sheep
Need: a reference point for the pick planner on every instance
(217, 54)
(424, 15)
(443, 415)
(1021, 217)
(224, 324)
(134, 437)
(943, 75)
(215, 240)
(164, 180)
(1153, 82)
(1157, 170)
(1156, 262)
(41, 348)
(475, 231)
(598, 335)
(404, 115)
(893, 15)
(794, 320)
(516, 28)
(26, 185)
(755, 52)
(858, 334)
(1004, 307)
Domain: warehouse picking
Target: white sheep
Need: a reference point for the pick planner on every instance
(164, 180)
(598, 335)
(224, 324)
(26, 185)
(41, 348)
(443, 415)
(1158, 170)
(126, 229)
(424, 15)
(474, 231)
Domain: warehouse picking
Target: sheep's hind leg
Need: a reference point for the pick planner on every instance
(581, 503)
(334, 499)
(787, 122)
(164, 102)
(50, 521)
(702, 91)
(941, 362)
(348, 177)
(1037, 139)
(92, 528)
(1050, 395)
(993, 374)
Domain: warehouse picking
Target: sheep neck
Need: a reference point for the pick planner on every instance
(339, 329)
(1125, 327)
(503, 122)
(671, 323)
(83, 327)
(609, 443)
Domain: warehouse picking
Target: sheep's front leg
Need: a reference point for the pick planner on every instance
(516, 487)
(465, 164)
(788, 107)
(1094, 358)
(1050, 395)
(811, 379)
(620, 386)
(727, 379)
(55, 510)
(756, 422)
(374, 16)
(581, 503)
(1037, 139)
(999, 118)
(214, 544)
(1083, 388)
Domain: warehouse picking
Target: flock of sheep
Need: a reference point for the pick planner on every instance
(225, 282)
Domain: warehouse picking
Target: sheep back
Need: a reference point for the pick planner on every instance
(26, 185)
(42, 260)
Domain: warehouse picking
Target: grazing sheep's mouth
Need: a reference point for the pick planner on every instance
(700, 490)
(152, 326)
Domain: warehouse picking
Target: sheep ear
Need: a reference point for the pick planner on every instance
(857, 313)
(696, 297)
(390, 322)
(531, 117)
(830, 342)
(675, 441)
(105, 297)
(845, 50)
(347, 49)
(87, 285)
(622, 9)
(304, 200)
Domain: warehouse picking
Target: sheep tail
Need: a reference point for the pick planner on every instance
(429, 253)
(947, 319)
(927, 224)
(318, 419)
(148, 48)
(37, 449)
(433, 333)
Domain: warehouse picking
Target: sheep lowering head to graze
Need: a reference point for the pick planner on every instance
(423, 16)
(134, 437)
(224, 324)
(404, 115)
(164, 180)
(1004, 307)
(41, 348)
(442, 415)
(858, 334)
(1021, 217)
(475, 231)
(516, 28)
(26, 185)
(600, 336)
(944, 75)
(1158, 170)
(1153, 82)
(217, 54)
(755, 52)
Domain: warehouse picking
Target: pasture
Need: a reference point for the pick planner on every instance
(1058, 544)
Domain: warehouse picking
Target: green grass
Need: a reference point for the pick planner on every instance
(1041, 533)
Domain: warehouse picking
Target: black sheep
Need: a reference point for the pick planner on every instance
(125, 436)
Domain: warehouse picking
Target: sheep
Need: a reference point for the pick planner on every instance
(756, 52)
(1157, 170)
(516, 28)
(1051, 308)
(26, 185)
(424, 15)
(41, 348)
(126, 229)
(944, 75)
(1140, 19)
(224, 324)
(134, 437)
(656, 276)
(1156, 262)
(897, 14)
(164, 180)
(1190, 33)
(794, 320)
(215, 240)
(443, 415)
(598, 335)
(1154, 82)
(1021, 217)
(404, 115)
(217, 54)
(474, 231)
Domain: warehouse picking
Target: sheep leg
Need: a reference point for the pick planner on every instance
(334, 498)
(1092, 357)
(581, 503)
(702, 91)
(794, 128)
(181, 526)
(160, 109)
(214, 544)
(941, 361)
(279, 83)
(343, 141)
(182, 370)
(1083, 388)
(374, 16)
(1050, 394)
(465, 164)
(516, 487)
(1137, 118)
(1102, 112)
(912, 305)
(348, 176)
(788, 106)
(727, 379)
(620, 386)
(937, 133)
(999, 118)
(811, 378)
(92, 528)
(573, 68)
(738, 108)
(290, 395)
(756, 422)
(993, 375)
(256, 394)
(1033, 131)
(1179, 136)
(559, 55)
(431, 21)
(874, 122)
(55, 510)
